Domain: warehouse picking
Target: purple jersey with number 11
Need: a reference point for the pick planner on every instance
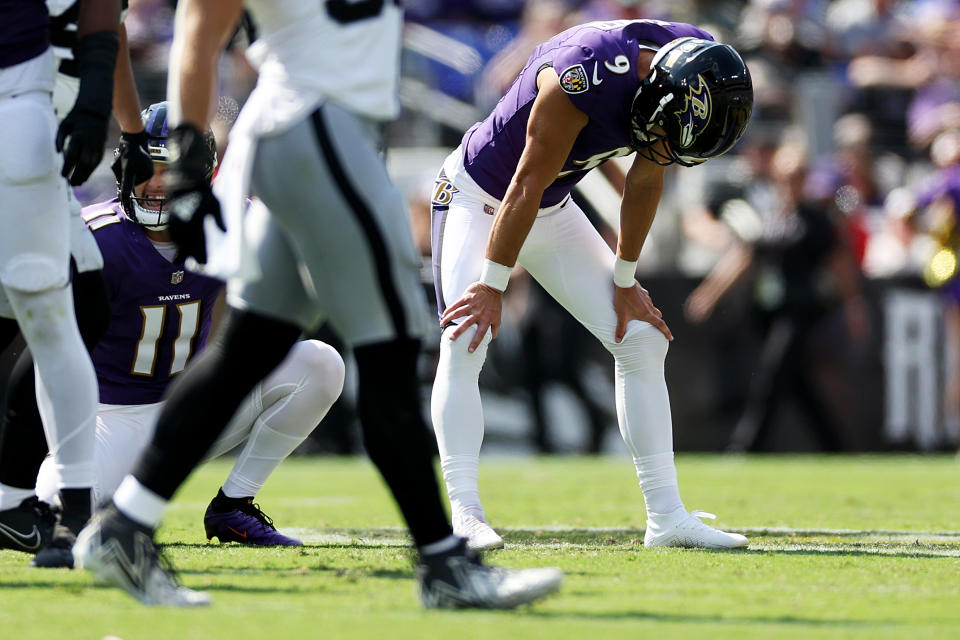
(597, 68)
(160, 313)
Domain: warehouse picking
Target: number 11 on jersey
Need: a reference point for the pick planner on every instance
(154, 317)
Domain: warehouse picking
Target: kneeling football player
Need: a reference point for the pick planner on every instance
(161, 316)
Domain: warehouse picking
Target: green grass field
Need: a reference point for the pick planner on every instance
(865, 547)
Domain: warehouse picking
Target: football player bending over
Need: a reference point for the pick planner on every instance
(661, 90)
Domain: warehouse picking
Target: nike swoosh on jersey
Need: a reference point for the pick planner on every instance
(22, 540)
(596, 78)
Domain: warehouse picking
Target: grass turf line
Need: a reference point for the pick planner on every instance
(840, 547)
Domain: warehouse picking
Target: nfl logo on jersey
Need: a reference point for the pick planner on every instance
(176, 277)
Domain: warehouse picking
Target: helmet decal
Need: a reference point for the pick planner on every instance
(695, 113)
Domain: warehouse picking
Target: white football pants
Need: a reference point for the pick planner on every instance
(34, 265)
(571, 261)
(274, 419)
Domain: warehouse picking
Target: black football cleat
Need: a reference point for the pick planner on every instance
(57, 554)
(74, 513)
(27, 527)
(117, 550)
(457, 579)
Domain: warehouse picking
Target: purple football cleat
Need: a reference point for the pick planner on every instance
(240, 520)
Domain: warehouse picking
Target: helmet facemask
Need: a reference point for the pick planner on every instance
(151, 212)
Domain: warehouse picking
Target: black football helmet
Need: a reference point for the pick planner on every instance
(696, 101)
(152, 212)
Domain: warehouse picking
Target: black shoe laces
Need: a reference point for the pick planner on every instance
(253, 509)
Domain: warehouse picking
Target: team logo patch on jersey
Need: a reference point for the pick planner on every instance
(695, 114)
(574, 79)
(443, 191)
(489, 210)
(176, 277)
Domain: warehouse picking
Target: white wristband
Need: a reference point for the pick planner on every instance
(624, 273)
(495, 275)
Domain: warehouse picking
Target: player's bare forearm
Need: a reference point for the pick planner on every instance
(552, 129)
(98, 15)
(126, 102)
(513, 223)
(641, 196)
(201, 29)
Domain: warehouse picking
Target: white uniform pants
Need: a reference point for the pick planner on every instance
(571, 261)
(288, 404)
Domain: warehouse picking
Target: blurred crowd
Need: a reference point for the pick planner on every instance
(848, 176)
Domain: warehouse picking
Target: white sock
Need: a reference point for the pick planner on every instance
(66, 382)
(11, 497)
(440, 546)
(658, 481)
(458, 418)
(139, 503)
(460, 473)
(296, 396)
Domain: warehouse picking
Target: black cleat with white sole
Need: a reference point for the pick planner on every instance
(117, 550)
(457, 579)
(27, 527)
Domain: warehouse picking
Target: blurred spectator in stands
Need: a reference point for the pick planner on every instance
(790, 33)
(800, 267)
(542, 19)
(909, 83)
(897, 248)
(602, 10)
(939, 208)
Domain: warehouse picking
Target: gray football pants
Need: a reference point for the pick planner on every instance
(333, 239)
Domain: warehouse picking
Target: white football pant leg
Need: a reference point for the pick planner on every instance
(122, 434)
(455, 403)
(66, 382)
(34, 235)
(458, 419)
(571, 261)
(279, 414)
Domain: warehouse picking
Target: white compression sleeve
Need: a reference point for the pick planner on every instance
(295, 398)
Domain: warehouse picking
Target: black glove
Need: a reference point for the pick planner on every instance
(191, 199)
(131, 164)
(84, 130)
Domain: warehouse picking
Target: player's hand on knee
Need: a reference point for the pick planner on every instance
(634, 303)
(191, 197)
(479, 305)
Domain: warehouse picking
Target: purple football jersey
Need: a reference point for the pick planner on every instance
(597, 68)
(160, 313)
(24, 30)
